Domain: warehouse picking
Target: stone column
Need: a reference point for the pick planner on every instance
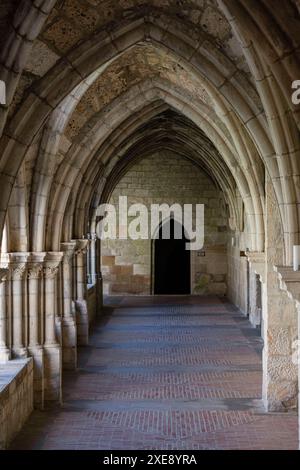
(280, 322)
(289, 282)
(4, 350)
(257, 267)
(254, 301)
(69, 328)
(82, 317)
(35, 348)
(52, 347)
(99, 279)
(17, 267)
(93, 261)
(95, 270)
(296, 359)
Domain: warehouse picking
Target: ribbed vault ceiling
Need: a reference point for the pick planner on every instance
(94, 85)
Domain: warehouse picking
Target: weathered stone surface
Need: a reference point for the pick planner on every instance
(93, 89)
(16, 398)
(41, 59)
(165, 177)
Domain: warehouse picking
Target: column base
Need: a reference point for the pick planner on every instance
(53, 373)
(4, 355)
(37, 353)
(288, 401)
(19, 353)
(69, 344)
(279, 396)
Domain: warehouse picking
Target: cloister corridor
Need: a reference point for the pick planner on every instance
(179, 372)
(122, 121)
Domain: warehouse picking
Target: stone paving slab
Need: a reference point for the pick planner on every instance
(164, 373)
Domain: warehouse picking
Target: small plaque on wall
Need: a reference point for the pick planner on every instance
(242, 253)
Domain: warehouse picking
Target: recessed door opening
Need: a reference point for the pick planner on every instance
(172, 264)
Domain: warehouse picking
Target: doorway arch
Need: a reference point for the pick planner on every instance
(171, 261)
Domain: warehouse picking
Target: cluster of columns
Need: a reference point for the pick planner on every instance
(278, 314)
(256, 293)
(44, 312)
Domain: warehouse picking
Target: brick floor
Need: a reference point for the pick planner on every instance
(164, 373)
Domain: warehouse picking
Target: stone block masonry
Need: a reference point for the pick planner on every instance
(126, 264)
(16, 397)
(170, 104)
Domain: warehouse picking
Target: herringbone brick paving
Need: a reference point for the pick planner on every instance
(164, 373)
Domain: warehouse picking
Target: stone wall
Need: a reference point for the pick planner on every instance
(255, 299)
(253, 286)
(280, 379)
(244, 284)
(92, 303)
(237, 274)
(167, 178)
(16, 397)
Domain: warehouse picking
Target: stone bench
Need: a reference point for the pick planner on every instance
(16, 397)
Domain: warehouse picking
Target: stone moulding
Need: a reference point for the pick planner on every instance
(51, 264)
(257, 261)
(68, 250)
(289, 281)
(81, 245)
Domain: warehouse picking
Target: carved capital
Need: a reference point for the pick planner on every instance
(81, 246)
(17, 265)
(51, 264)
(35, 265)
(17, 271)
(68, 250)
(34, 270)
(50, 272)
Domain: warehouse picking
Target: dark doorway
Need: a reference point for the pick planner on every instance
(171, 262)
